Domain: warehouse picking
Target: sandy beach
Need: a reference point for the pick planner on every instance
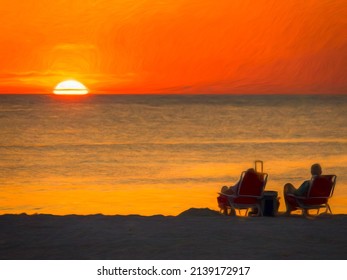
(194, 234)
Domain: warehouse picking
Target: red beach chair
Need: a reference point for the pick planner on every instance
(250, 193)
(320, 190)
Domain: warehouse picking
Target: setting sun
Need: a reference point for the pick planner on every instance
(70, 87)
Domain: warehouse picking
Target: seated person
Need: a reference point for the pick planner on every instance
(223, 201)
(316, 170)
(234, 189)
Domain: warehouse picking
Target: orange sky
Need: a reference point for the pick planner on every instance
(174, 46)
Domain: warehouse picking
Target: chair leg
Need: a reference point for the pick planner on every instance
(255, 211)
(224, 211)
(232, 212)
(329, 209)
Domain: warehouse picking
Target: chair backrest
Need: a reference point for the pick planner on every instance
(322, 186)
(252, 183)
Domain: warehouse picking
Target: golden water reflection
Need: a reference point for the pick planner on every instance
(143, 200)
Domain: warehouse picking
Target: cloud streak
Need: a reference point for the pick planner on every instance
(177, 46)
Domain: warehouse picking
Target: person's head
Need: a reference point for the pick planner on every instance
(251, 170)
(224, 189)
(316, 169)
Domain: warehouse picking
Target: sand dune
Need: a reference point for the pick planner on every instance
(194, 234)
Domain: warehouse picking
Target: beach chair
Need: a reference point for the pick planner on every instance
(249, 194)
(320, 190)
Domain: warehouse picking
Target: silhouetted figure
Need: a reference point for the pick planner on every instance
(316, 170)
(223, 201)
(234, 189)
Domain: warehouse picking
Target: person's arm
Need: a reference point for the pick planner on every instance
(235, 188)
(303, 189)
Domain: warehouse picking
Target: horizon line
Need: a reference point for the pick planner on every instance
(149, 93)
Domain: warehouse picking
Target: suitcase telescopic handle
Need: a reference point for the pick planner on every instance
(259, 166)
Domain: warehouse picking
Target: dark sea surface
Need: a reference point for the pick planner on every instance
(151, 154)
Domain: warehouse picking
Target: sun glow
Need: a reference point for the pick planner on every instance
(70, 87)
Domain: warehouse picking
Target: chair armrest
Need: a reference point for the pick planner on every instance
(228, 195)
(295, 196)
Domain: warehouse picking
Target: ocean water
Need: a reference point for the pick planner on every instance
(153, 154)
